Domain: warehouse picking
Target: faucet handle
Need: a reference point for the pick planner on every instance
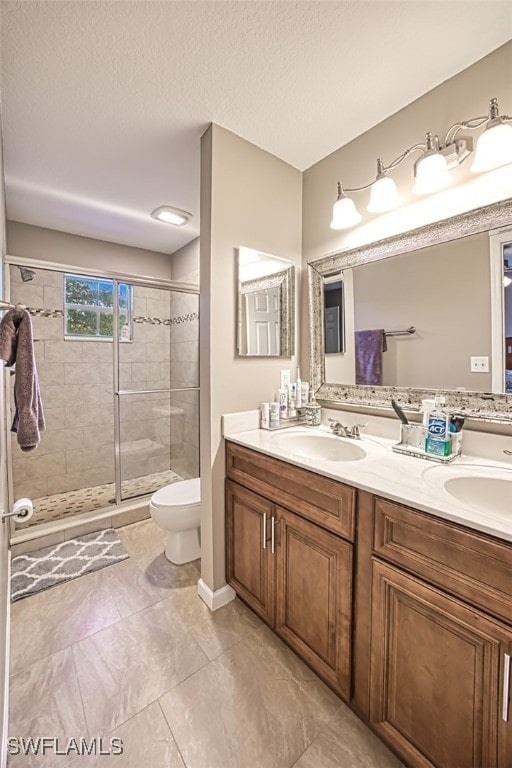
(336, 426)
(355, 430)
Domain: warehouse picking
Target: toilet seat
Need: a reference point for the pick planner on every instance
(182, 493)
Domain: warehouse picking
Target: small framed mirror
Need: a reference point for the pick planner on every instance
(266, 304)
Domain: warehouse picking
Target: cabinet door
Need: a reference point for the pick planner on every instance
(437, 676)
(314, 597)
(250, 566)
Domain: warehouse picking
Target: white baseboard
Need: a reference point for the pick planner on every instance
(215, 599)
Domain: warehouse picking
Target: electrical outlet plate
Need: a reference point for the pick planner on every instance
(479, 365)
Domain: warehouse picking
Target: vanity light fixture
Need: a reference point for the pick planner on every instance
(432, 169)
(170, 215)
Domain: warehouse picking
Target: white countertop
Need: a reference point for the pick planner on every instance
(413, 481)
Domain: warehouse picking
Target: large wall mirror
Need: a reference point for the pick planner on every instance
(429, 310)
(266, 305)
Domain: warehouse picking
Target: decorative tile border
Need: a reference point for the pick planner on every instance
(171, 321)
(189, 317)
(45, 312)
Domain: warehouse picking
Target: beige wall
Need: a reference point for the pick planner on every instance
(185, 263)
(28, 242)
(249, 198)
(464, 96)
(441, 291)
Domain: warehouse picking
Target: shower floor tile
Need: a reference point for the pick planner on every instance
(64, 505)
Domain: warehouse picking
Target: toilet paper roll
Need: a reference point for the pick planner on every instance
(23, 509)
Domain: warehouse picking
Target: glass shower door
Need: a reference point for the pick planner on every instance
(157, 389)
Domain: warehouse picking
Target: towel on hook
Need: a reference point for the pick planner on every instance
(17, 346)
(369, 348)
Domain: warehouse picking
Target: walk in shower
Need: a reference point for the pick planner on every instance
(118, 365)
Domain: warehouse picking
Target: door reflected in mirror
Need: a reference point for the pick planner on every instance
(266, 304)
(334, 315)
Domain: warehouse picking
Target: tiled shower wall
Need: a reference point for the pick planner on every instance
(77, 448)
(185, 373)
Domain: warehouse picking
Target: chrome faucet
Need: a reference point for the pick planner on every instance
(337, 428)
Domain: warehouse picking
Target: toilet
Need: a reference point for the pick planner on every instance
(177, 509)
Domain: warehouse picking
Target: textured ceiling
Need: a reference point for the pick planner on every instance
(104, 103)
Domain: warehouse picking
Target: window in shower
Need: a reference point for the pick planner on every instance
(89, 308)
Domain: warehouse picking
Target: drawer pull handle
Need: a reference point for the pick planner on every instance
(264, 530)
(506, 686)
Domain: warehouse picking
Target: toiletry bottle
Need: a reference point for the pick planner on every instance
(438, 442)
(305, 393)
(298, 390)
(265, 415)
(285, 378)
(427, 406)
(292, 400)
(283, 403)
(274, 415)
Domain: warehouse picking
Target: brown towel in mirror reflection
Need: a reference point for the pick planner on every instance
(17, 346)
(369, 348)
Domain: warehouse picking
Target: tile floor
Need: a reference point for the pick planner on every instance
(131, 652)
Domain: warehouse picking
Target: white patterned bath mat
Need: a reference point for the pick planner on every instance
(35, 571)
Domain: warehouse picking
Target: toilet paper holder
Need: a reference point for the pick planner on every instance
(22, 510)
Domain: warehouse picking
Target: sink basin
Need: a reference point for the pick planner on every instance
(485, 488)
(320, 446)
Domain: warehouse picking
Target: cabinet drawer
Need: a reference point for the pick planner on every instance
(474, 566)
(325, 501)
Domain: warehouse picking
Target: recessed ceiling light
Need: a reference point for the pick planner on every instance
(170, 215)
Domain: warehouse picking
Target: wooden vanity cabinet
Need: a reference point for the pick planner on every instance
(314, 597)
(438, 677)
(431, 623)
(292, 572)
(250, 569)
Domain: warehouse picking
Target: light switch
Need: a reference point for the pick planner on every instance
(479, 365)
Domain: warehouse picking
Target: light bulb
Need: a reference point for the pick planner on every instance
(493, 148)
